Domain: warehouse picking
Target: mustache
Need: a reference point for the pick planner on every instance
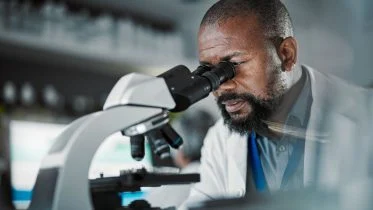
(234, 96)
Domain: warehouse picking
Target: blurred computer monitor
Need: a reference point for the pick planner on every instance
(30, 142)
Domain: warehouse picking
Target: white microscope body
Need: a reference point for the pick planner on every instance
(137, 104)
(134, 99)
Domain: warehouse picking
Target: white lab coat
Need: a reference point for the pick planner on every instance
(340, 113)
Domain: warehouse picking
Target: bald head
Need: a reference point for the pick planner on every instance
(272, 15)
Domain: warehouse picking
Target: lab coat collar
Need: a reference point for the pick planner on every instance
(237, 144)
(328, 107)
(237, 163)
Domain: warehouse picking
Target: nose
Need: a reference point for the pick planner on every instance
(227, 86)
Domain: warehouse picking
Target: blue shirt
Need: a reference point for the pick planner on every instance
(275, 153)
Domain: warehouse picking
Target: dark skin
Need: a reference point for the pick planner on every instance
(241, 40)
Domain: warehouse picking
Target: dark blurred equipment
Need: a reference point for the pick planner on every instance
(5, 201)
(82, 104)
(9, 93)
(137, 105)
(194, 125)
(28, 95)
(105, 190)
(51, 98)
(5, 188)
(2, 166)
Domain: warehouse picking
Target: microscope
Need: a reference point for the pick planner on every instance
(138, 106)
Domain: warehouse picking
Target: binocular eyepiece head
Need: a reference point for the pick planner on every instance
(218, 74)
(186, 89)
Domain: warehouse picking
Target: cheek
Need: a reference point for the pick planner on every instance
(252, 78)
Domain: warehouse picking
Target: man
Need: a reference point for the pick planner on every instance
(192, 126)
(279, 117)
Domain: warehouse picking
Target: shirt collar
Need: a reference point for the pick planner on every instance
(301, 107)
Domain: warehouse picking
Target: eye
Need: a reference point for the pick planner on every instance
(237, 63)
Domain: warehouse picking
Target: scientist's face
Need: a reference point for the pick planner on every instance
(255, 92)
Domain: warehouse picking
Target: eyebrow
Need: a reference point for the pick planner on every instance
(225, 58)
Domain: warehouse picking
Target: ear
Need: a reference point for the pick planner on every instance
(288, 52)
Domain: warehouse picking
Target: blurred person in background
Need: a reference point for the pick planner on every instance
(192, 126)
(278, 117)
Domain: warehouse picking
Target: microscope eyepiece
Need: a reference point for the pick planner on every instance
(201, 70)
(187, 88)
(221, 73)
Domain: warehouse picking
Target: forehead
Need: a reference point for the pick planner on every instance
(237, 34)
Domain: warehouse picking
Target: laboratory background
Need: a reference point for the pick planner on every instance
(59, 60)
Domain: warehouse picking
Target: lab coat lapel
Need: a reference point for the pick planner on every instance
(330, 124)
(311, 148)
(237, 156)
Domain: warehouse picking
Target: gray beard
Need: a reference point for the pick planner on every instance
(262, 109)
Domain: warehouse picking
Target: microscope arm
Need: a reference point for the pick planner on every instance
(62, 181)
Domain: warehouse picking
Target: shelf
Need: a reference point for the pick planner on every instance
(110, 39)
(19, 45)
